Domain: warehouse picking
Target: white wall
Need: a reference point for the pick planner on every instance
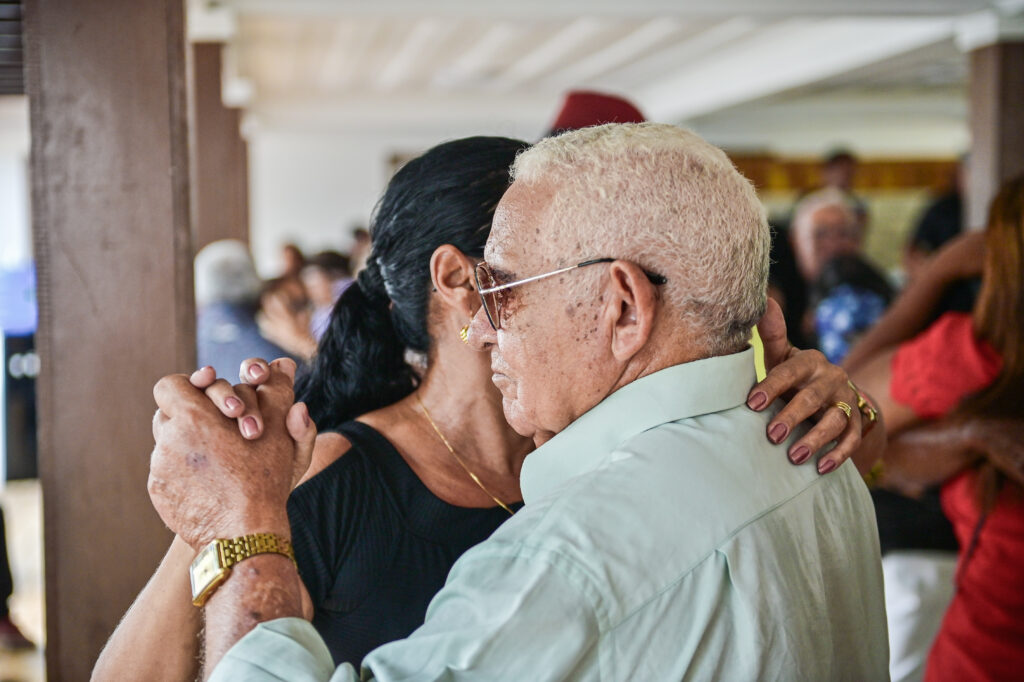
(15, 227)
(311, 184)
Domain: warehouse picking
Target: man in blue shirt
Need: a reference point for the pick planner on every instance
(662, 537)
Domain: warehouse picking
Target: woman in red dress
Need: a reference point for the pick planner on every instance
(969, 369)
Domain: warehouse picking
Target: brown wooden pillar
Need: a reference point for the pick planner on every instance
(110, 191)
(220, 181)
(997, 123)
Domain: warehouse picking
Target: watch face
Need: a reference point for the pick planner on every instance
(205, 569)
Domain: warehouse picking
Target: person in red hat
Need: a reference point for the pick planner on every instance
(583, 108)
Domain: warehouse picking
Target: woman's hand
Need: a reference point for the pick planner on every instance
(240, 402)
(813, 387)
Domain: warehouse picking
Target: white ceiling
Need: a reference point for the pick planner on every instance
(377, 64)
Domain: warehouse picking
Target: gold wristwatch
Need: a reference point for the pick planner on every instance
(212, 565)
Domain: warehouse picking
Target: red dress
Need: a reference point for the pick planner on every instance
(982, 633)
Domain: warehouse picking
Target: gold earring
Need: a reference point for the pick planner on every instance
(464, 334)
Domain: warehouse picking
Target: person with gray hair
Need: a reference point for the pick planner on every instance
(825, 225)
(227, 290)
(661, 538)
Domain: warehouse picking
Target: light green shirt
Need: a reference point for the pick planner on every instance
(663, 538)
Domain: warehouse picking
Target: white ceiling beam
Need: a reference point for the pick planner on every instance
(616, 54)
(988, 28)
(785, 56)
(539, 9)
(395, 111)
(426, 34)
(552, 52)
(475, 63)
(335, 68)
(699, 45)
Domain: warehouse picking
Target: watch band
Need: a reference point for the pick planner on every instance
(240, 548)
(213, 564)
(866, 409)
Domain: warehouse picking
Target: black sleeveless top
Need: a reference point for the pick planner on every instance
(374, 545)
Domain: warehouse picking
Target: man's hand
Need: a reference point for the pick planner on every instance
(813, 386)
(206, 480)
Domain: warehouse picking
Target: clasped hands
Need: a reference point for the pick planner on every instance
(226, 458)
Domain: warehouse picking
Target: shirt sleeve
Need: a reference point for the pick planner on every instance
(933, 372)
(505, 614)
(283, 649)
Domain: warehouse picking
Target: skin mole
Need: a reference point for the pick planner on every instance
(196, 460)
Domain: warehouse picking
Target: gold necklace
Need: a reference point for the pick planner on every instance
(458, 459)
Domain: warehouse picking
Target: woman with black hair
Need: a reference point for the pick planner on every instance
(414, 462)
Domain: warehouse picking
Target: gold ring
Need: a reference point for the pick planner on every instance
(845, 407)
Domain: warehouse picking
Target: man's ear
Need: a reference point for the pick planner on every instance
(452, 274)
(633, 303)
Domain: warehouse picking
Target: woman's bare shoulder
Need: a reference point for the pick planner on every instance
(326, 450)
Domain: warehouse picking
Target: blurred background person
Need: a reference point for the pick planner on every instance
(11, 637)
(360, 250)
(838, 171)
(285, 317)
(940, 221)
(825, 226)
(326, 275)
(848, 297)
(292, 260)
(227, 292)
(585, 108)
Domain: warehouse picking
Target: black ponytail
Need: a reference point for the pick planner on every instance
(446, 196)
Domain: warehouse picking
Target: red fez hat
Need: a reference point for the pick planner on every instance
(582, 109)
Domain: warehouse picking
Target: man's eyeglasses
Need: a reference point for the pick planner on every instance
(491, 293)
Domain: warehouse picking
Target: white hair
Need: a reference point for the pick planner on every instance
(224, 272)
(829, 197)
(669, 201)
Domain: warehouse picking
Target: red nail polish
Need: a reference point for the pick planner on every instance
(800, 455)
(757, 401)
(777, 433)
(826, 466)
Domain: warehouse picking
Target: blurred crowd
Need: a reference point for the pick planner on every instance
(240, 315)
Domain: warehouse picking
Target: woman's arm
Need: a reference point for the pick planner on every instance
(158, 639)
(925, 456)
(960, 259)
(875, 378)
(930, 454)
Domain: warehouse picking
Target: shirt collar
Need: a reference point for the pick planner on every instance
(678, 392)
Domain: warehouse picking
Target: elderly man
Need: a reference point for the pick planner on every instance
(661, 538)
(825, 225)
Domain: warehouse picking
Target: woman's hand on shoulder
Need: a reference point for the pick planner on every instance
(814, 387)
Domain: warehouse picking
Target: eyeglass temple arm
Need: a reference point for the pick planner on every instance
(491, 290)
(653, 277)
